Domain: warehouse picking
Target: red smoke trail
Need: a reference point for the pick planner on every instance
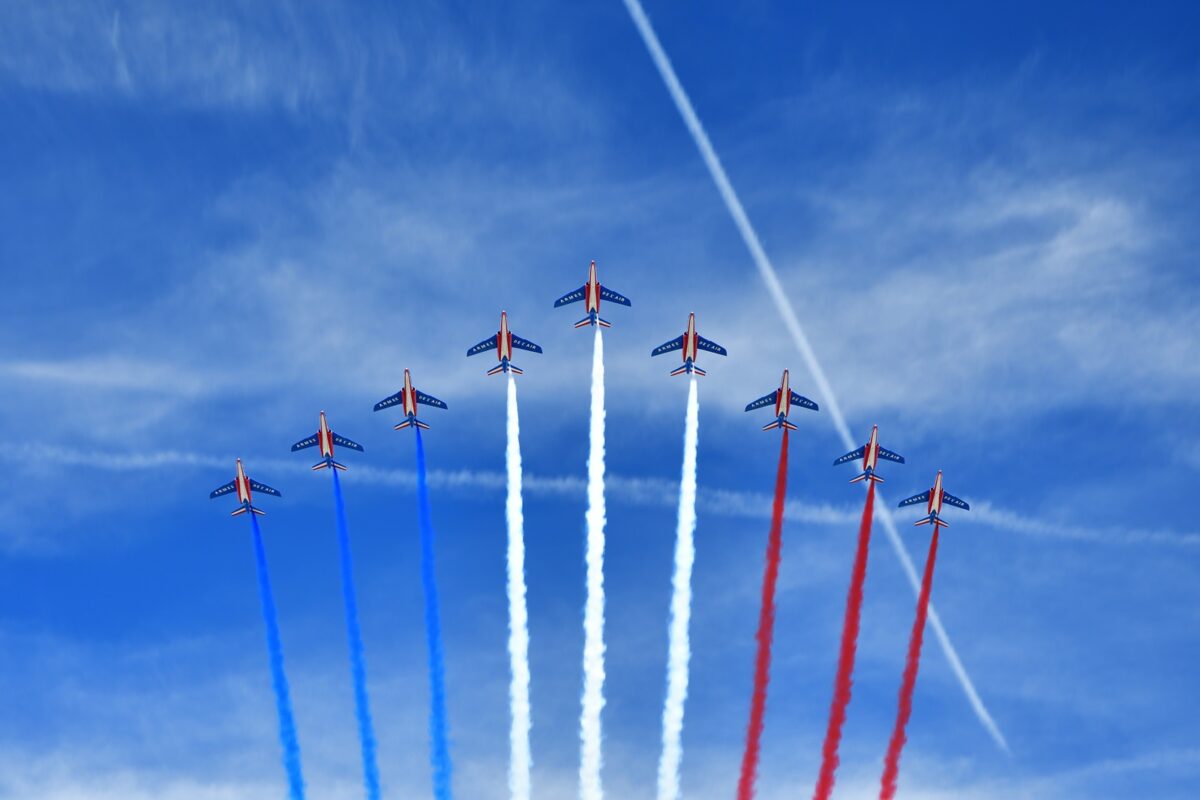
(891, 765)
(766, 628)
(845, 671)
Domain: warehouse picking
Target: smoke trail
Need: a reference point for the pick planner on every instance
(681, 609)
(358, 664)
(891, 765)
(590, 758)
(520, 760)
(845, 670)
(438, 728)
(283, 700)
(766, 631)
(783, 305)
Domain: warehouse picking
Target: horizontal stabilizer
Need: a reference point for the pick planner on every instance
(319, 465)
(780, 423)
(603, 322)
(583, 322)
(680, 370)
(698, 371)
(495, 369)
(239, 511)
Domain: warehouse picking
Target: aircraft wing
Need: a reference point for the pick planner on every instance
(395, 400)
(853, 455)
(712, 347)
(220, 490)
(429, 400)
(923, 497)
(342, 441)
(570, 297)
(487, 344)
(666, 347)
(764, 401)
(303, 443)
(954, 501)
(262, 488)
(804, 402)
(525, 344)
(890, 456)
(613, 297)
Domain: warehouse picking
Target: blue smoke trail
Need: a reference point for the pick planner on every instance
(358, 665)
(283, 701)
(440, 755)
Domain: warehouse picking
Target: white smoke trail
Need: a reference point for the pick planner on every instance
(767, 271)
(590, 758)
(680, 651)
(520, 760)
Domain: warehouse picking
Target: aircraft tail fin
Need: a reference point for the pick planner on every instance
(603, 322)
(585, 321)
(336, 465)
(680, 370)
(401, 426)
(496, 369)
(321, 465)
(866, 476)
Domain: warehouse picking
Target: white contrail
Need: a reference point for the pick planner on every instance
(520, 761)
(784, 306)
(680, 649)
(590, 758)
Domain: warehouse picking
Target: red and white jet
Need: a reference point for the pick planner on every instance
(503, 343)
(326, 439)
(592, 292)
(243, 486)
(783, 399)
(870, 453)
(934, 498)
(408, 397)
(691, 343)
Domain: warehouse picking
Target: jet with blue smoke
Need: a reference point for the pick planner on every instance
(244, 486)
(326, 439)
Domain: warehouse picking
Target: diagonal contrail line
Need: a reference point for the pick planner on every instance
(767, 271)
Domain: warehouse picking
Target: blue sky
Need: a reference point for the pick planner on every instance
(217, 222)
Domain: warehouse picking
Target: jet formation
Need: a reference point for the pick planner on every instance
(689, 344)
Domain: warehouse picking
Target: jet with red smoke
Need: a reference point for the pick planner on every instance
(783, 399)
(870, 453)
(933, 499)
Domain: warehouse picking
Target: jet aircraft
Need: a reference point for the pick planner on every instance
(592, 293)
(783, 399)
(870, 453)
(243, 486)
(691, 343)
(408, 397)
(933, 500)
(503, 343)
(326, 439)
